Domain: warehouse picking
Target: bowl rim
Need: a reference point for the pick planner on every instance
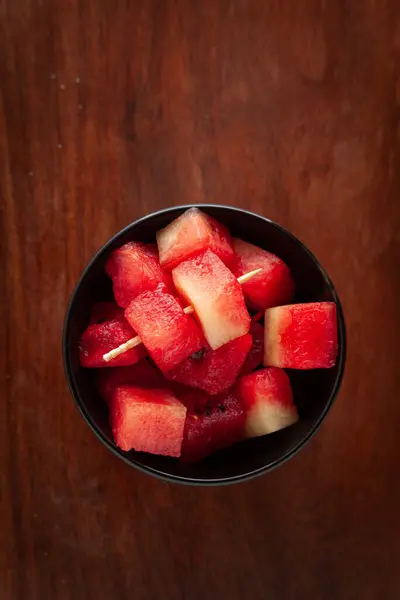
(197, 481)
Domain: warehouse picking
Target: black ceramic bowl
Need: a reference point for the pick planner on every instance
(314, 391)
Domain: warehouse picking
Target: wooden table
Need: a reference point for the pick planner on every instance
(112, 109)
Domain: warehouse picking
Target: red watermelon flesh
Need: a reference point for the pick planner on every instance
(256, 352)
(147, 420)
(141, 374)
(185, 394)
(105, 311)
(190, 234)
(211, 425)
(216, 296)
(267, 400)
(213, 371)
(100, 338)
(134, 268)
(169, 335)
(301, 336)
(273, 286)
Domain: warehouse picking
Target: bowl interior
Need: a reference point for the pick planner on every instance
(314, 391)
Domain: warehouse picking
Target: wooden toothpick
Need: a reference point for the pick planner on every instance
(189, 310)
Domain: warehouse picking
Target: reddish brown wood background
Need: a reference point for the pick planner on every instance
(112, 109)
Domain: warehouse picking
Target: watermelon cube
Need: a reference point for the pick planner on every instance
(272, 286)
(216, 296)
(213, 371)
(105, 311)
(100, 338)
(169, 335)
(189, 235)
(147, 420)
(211, 426)
(256, 352)
(267, 400)
(301, 336)
(141, 374)
(134, 268)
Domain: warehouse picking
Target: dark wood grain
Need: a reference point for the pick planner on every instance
(112, 109)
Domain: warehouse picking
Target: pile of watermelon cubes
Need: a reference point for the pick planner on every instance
(200, 382)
